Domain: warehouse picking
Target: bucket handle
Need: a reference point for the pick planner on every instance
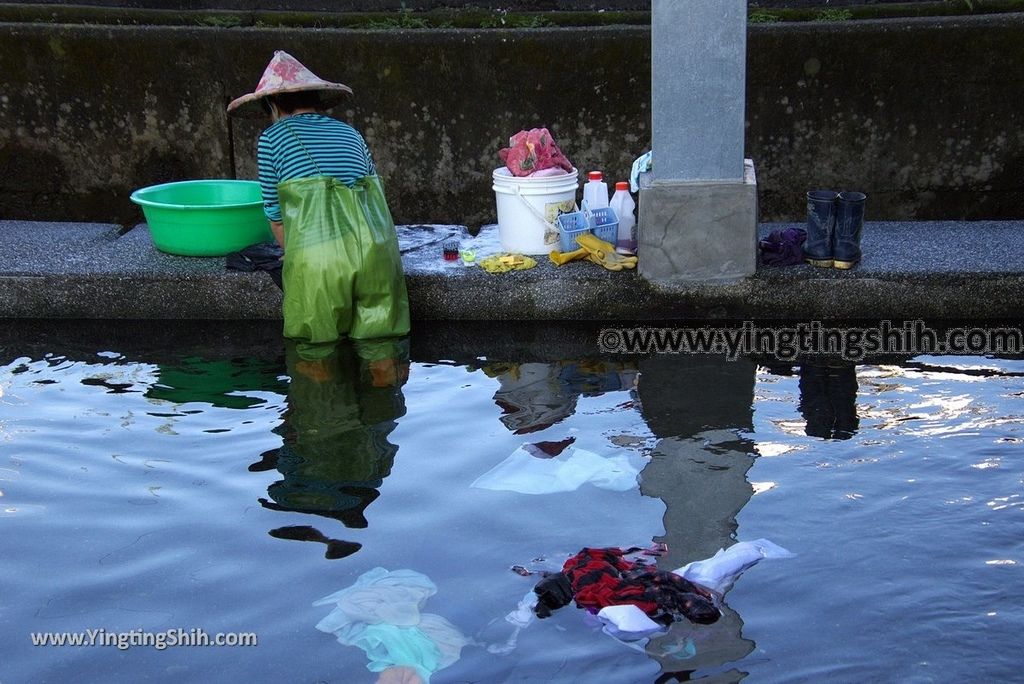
(533, 210)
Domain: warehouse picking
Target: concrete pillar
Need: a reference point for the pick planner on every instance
(698, 72)
(698, 206)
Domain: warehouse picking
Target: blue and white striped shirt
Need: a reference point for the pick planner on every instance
(336, 147)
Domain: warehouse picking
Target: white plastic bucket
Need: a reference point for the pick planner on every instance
(528, 209)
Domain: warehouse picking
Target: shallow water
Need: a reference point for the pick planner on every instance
(165, 480)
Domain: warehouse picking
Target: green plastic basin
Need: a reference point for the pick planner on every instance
(204, 217)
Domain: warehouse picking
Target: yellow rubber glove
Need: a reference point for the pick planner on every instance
(562, 258)
(503, 263)
(603, 253)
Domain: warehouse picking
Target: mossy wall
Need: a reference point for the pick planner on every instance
(923, 115)
(415, 5)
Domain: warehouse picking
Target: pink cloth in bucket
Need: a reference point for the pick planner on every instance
(532, 151)
(547, 173)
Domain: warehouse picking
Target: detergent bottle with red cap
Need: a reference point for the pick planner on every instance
(623, 205)
(595, 191)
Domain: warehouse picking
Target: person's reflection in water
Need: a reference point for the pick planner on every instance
(828, 398)
(341, 408)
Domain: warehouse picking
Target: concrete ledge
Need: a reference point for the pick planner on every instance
(62, 270)
(932, 270)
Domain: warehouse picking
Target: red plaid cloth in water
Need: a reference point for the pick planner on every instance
(604, 577)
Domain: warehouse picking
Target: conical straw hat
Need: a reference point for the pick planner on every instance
(285, 74)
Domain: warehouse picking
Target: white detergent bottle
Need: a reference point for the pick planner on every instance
(624, 206)
(595, 191)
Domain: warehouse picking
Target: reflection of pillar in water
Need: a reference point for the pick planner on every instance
(828, 399)
(702, 481)
(696, 404)
(688, 647)
(685, 394)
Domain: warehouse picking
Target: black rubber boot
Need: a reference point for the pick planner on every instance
(821, 224)
(849, 222)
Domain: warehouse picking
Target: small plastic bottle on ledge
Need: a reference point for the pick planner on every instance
(623, 205)
(595, 191)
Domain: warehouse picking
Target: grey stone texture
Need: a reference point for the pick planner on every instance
(928, 270)
(698, 78)
(923, 115)
(698, 230)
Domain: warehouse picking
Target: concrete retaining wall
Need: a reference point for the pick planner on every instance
(920, 114)
(923, 115)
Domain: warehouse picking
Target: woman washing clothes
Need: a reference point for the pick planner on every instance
(342, 273)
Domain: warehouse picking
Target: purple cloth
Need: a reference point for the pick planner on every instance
(783, 247)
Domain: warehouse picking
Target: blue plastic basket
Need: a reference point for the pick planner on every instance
(601, 222)
(605, 224)
(570, 226)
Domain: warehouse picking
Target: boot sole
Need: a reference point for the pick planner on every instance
(845, 265)
(821, 263)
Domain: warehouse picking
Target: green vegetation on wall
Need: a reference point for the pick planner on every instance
(900, 10)
(469, 17)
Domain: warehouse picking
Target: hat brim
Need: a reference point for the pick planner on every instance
(248, 105)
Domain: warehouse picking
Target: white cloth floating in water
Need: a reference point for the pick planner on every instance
(720, 571)
(521, 472)
(392, 597)
(628, 622)
(520, 619)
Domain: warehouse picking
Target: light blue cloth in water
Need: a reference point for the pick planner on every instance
(388, 646)
(380, 614)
